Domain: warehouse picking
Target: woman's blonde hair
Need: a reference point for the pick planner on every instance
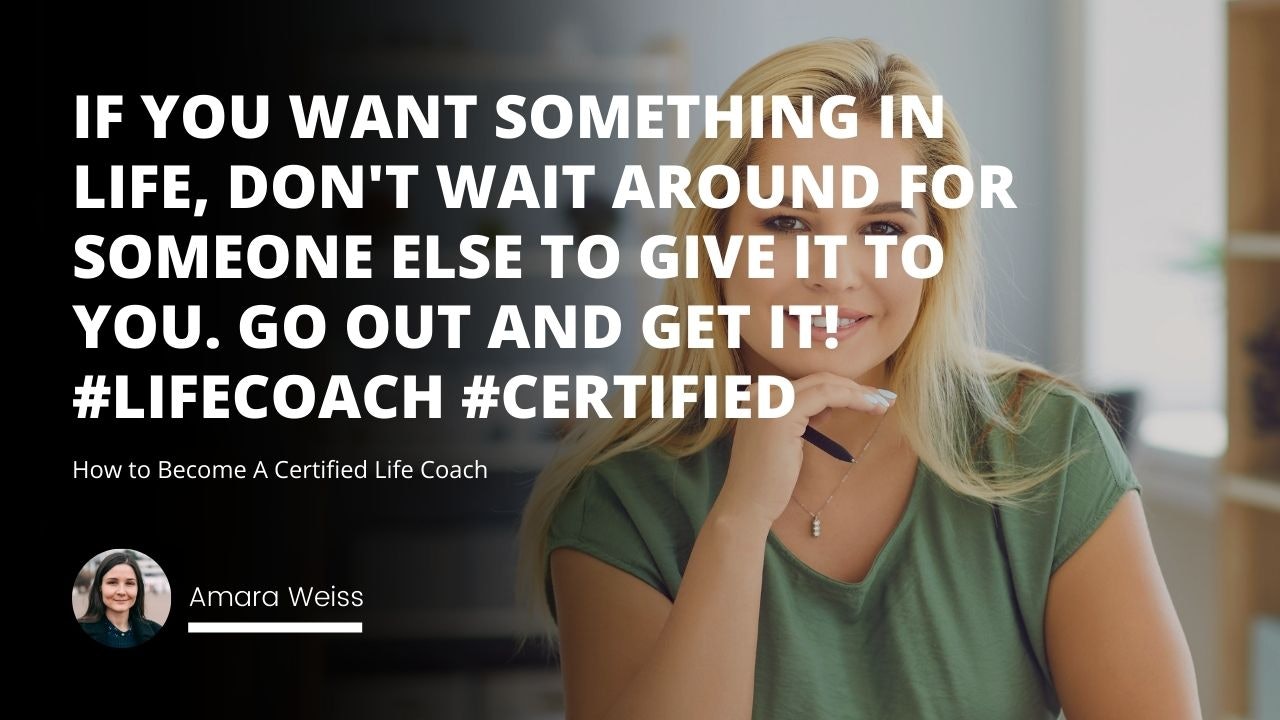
(942, 372)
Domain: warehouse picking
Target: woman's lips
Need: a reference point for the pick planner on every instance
(820, 335)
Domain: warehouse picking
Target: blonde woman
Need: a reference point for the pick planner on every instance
(933, 531)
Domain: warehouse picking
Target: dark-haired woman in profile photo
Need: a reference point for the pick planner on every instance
(115, 616)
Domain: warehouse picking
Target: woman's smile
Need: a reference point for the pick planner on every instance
(847, 325)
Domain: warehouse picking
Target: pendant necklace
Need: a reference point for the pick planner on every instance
(834, 449)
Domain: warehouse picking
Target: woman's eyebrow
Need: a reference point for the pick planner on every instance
(880, 208)
(874, 209)
(888, 207)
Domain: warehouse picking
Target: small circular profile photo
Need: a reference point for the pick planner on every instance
(121, 598)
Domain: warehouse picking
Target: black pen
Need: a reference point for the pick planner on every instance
(827, 445)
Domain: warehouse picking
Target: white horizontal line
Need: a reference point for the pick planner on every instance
(274, 627)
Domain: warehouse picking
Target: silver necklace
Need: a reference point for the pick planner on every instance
(816, 526)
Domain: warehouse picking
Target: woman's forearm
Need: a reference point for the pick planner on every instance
(703, 664)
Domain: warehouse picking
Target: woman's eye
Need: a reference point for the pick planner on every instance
(882, 228)
(786, 224)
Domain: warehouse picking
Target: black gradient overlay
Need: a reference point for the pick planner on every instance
(422, 551)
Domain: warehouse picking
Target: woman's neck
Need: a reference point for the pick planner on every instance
(119, 619)
(853, 428)
(850, 428)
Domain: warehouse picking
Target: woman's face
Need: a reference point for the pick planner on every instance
(119, 588)
(891, 304)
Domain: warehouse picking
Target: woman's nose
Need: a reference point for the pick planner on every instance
(839, 259)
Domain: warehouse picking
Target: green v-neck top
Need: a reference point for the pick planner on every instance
(944, 625)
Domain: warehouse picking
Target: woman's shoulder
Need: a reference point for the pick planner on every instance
(1064, 428)
(650, 486)
(655, 467)
(145, 627)
(1052, 417)
(148, 628)
(639, 510)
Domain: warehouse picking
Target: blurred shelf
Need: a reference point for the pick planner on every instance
(1255, 491)
(1259, 246)
(1249, 526)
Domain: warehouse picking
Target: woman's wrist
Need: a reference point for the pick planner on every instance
(738, 523)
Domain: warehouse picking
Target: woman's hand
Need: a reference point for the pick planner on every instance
(767, 452)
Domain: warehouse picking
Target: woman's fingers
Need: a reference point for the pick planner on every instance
(876, 396)
(817, 397)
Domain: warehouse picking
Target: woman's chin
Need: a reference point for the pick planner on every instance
(833, 364)
(795, 363)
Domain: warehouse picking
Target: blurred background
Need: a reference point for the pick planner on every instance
(1143, 261)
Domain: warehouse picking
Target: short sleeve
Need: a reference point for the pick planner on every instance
(1098, 476)
(612, 517)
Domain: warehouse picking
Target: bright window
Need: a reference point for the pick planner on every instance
(1154, 217)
